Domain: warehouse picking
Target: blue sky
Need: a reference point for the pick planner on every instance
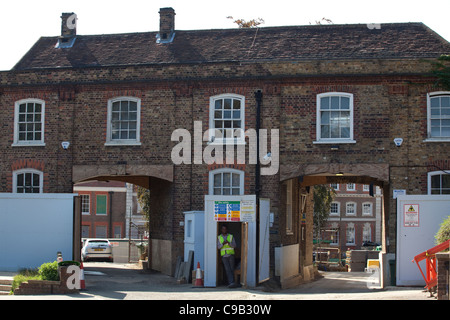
(23, 22)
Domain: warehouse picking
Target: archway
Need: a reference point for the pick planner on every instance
(372, 176)
(159, 180)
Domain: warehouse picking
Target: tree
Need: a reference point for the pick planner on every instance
(319, 22)
(143, 197)
(444, 232)
(323, 197)
(441, 70)
(247, 24)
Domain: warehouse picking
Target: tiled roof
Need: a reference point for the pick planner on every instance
(290, 43)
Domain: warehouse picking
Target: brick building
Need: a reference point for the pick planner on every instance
(107, 207)
(339, 95)
(355, 217)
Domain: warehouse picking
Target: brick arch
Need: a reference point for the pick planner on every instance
(28, 164)
(136, 174)
(360, 172)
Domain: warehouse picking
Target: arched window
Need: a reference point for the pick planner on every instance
(226, 182)
(28, 181)
(439, 182)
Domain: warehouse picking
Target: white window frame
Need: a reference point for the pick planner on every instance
(89, 204)
(346, 208)
(338, 209)
(334, 234)
(371, 208)
(212, 132)
(319, 139)
(435, 173)
(350, 226)
(431, 95)
(212, 173)
(32, 143)
(33, 171)
(122, 142)
(367, 231)
(337, 186)
(352, 188)
(366, 187)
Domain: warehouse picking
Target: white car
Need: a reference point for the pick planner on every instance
(97, 249)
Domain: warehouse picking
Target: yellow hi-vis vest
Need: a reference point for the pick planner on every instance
(226, 249)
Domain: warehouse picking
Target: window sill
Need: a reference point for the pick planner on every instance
(437, 140)
(342, 141)
(227, 142)
(20, 144)
(122, 143)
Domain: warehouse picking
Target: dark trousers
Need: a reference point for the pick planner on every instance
(228, 264)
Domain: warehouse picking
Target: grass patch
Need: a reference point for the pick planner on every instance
(23, 276)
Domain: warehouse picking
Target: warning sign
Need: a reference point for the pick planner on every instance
(243, 211)
(411, 215)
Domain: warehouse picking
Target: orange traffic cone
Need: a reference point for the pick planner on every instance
(198, 277)
(82, 283)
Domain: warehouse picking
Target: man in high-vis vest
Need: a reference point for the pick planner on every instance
(226, 245)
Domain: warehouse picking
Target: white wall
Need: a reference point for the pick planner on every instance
(33, 228)
(286, 261)
(411, 241)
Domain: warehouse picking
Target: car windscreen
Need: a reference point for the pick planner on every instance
(99, 242)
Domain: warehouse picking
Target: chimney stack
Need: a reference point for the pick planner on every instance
(68, 25)
(166, 25)
(68, 30)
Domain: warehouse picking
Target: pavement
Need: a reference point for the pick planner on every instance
(114, 281)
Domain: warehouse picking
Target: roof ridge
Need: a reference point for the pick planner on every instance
(332, 25)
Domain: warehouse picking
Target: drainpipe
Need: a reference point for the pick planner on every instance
(258, 97)
(110, 214)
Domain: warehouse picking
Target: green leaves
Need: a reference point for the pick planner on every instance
(441, 70)
(444, 232)
(323, 197)
(143, 197)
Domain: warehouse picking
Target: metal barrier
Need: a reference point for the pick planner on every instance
(430, 262)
